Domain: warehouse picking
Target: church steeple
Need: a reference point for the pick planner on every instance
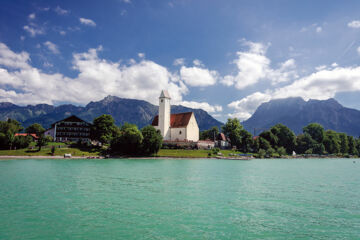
(164, 114)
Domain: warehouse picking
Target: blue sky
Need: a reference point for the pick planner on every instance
(226, 57)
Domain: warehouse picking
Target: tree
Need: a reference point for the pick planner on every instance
(344, 143)
(352, 146)
(281, 151)
(232, 130)
(304, 142)
(128, 141)
(43, 141)
(9, 128)
(316, 131)
(22, 142)
(209, 134)
(270, 137)
(332, 142)
(35, 128)
(285, 137)
(263, 143)
(103, 128)
(246, 141)
(152, 140)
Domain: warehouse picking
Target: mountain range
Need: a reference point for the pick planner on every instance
(123, 110)
(297, 113)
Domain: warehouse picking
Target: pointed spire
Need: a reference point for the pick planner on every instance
(165, 94)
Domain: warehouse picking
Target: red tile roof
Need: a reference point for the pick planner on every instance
(176, 120)
(27, 134)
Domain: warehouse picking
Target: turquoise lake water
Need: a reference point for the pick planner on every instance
(180, 199)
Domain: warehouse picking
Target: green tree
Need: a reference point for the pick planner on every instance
(344, 143)
(103, 128)
(285, 137)
(352, 146)
(9, 128)
(128, 141)
(316, 131)
(209, 134)
(43, 141)
(263, 143)
(281, 151)
(270, 137)
(304, 142)
(22, 142)
(232, 130)
(35, 128)
(246, 141)
(332, 142)
(152, 140)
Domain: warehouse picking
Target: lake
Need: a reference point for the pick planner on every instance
(180, 199)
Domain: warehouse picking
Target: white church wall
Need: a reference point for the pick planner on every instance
(178, 134)
(192, 130)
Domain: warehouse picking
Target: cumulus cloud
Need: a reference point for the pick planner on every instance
(323, 84)
(52, 47)
(202, 105)
(354, 24)
(61, 11)
(179, 62)
(318, 29)
(87, 22)
(32, 16)
(198, 63)
(21, 83)
(13, 60)
(198, 77)
(141, 55)
(247, 105)
(34, 30)
(253, 66)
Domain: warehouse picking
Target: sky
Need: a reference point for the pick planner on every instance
(226, 57)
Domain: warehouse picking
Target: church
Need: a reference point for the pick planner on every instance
(175, 127)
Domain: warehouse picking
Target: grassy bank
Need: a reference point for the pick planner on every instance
(46, 151)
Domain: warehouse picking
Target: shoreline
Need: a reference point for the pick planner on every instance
(24, 157)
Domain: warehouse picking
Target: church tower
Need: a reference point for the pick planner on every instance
(164, 114)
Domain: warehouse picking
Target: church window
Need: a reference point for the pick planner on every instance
(180, 132)
(162, 100)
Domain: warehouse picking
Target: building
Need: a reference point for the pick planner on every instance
(71, 129)
(222, 141)
(205, 144)
(175, 127)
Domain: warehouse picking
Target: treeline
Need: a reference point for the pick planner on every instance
(127, 139)
(280, 140)
(9, 128)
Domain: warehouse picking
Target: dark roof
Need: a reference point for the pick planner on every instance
(72, 118)
(221, 136)
(176, 120)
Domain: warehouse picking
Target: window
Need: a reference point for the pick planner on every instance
(180, 132)
(162, 100)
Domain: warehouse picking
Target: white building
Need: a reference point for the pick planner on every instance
(175, 127)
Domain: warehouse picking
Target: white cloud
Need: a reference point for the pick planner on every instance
(198, 77)
(13, 60)
(96, 79)
(34, 30)
(321, 85)
(179, 62)
(61, 11)
(52, 47)
(126, 1)
(202, 105)
(354, 24)
(32, 16)
(253, 66)
(141, 55)
(62, 32)
(198, 63)
(245, 107)
(318, 29)
(87, 22)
